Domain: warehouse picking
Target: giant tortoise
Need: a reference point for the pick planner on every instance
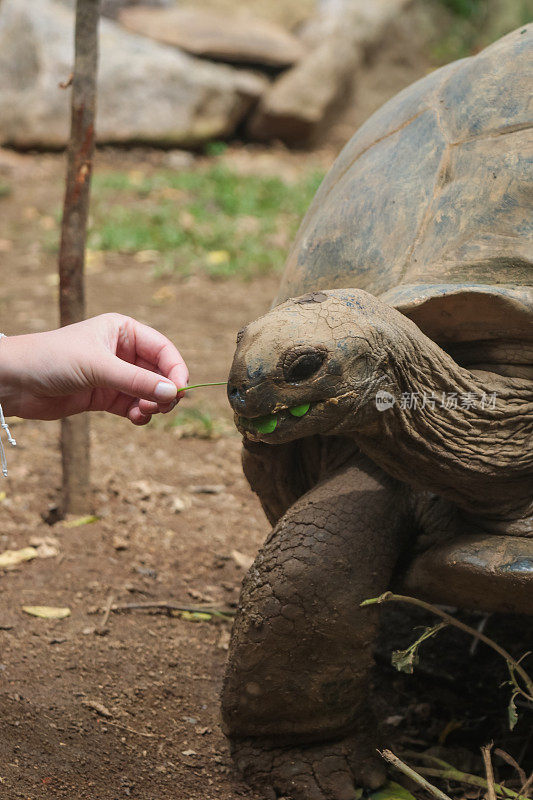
(386, 403)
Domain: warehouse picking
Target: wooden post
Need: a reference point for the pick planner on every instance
(75, 430)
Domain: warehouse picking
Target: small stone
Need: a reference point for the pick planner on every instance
(180, 504)
(179, 159)
(242, 560)
(224, 639)
(119, 543)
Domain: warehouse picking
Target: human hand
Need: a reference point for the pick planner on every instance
(107, 363)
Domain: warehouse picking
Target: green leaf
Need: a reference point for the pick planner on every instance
(266, 424)
(299, 411)
(406, 660)
(392, 791)
(196, 616)
(76, 523)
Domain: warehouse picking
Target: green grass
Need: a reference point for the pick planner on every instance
(209, 219)
(471, 25)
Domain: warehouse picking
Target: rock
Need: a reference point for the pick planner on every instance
(301, 100)
(237, 38)
(147, 92)
(179, 159)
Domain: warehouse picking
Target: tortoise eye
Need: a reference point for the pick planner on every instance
(301, 365)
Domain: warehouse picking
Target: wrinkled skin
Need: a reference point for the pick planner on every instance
(301, 647)
(336, 350)
(296, 695)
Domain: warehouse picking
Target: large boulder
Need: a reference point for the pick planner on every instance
(298, 104)
(239, 38)
(147, 92)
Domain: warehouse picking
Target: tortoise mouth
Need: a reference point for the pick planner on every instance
(281, 419)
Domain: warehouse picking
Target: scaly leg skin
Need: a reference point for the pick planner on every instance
(296, 693)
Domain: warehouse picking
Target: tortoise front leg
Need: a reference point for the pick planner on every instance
(295, 697)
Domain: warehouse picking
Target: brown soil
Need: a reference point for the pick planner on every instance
(132, 710)
(158, 676)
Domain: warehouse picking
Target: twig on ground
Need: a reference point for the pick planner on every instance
(449, 772)
(524, 791)
(415, 776)
(131, 730)
(485, 752)
(169, 606)
(456, 775)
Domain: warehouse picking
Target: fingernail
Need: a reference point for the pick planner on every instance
(165, 392)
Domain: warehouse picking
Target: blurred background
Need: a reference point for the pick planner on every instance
(217, 120)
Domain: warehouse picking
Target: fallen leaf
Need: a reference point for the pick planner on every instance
(242, 560)
(52, 279)
(94, 261)
(9, 558)
(217, 257)
(164, 294)
(76, 523)
(47, 612)
(196, 616)
(146, 256)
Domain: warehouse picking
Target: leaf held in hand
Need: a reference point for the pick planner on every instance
(47, 612)
(299, 411)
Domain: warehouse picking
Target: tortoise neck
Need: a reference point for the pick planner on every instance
(464, 436)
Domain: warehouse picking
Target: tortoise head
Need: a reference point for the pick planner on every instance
(308, 366)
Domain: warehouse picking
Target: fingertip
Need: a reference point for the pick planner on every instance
(136, 416)
(148, 407)
(165, 392)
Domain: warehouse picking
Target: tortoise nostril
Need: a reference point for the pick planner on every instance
(235, 394)
(301, 365)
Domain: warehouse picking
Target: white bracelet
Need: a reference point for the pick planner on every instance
(5, 426)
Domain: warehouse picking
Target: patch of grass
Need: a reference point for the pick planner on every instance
(470, 25)
(211, 219)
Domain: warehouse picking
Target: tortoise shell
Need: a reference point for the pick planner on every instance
(428, 205)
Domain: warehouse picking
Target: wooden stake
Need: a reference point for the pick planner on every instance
(75, 430)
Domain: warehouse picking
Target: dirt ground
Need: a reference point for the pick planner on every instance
(131, 709)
